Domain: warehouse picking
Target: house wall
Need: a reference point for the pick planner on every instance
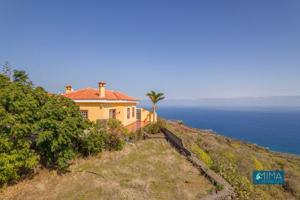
(146, 116)
(101, 111)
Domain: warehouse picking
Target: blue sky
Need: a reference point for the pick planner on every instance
(186, 49)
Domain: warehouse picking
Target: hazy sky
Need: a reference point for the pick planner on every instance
(186, 49)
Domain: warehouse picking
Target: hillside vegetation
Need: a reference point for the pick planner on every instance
(149, 169)
(235, 160)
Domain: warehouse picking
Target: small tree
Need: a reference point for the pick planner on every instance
(155, 98)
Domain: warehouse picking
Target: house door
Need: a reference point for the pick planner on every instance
(112, 113)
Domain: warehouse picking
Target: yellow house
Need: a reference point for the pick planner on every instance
(102, 104)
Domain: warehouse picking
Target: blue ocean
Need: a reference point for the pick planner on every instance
(277, 129)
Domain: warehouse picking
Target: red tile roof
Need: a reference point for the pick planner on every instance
(93, 94)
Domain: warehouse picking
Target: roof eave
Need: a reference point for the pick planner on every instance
(103, 101)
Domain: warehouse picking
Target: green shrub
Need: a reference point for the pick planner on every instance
(114, 142)
(154, 127)
(93, 141)
(15, 163)
(35, 128)
(242, 186)
(202, 155)
(59, 129)
(116, 127)
(114, 124)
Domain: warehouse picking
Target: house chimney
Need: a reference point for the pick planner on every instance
(101, 86)
(68, 89)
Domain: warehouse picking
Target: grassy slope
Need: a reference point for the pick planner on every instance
(235, 161)
(148, 169)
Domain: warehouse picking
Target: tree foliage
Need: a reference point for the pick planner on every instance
(17, 113)
(39, 128)
(155, 97)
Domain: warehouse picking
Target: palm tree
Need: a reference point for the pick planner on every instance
(155, 98)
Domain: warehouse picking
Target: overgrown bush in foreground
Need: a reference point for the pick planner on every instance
(19, 108)
(36, 127)
(58, 131)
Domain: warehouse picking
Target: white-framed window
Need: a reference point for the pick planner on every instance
(128, 113)
(84, 114)
(133, 111)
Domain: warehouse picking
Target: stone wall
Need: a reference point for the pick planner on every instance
(226, 193)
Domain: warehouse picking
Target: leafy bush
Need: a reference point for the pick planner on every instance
(228, 170)
(35, 127)
(15, 163)
(93, 141)
(108, 135)
(154, 127)
(17, 106)
(202, 155)
(116, 136)
(114, 142)
(58, 132)
(114, 124)
(116, 127)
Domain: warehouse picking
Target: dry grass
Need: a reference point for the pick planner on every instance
(148, 169)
